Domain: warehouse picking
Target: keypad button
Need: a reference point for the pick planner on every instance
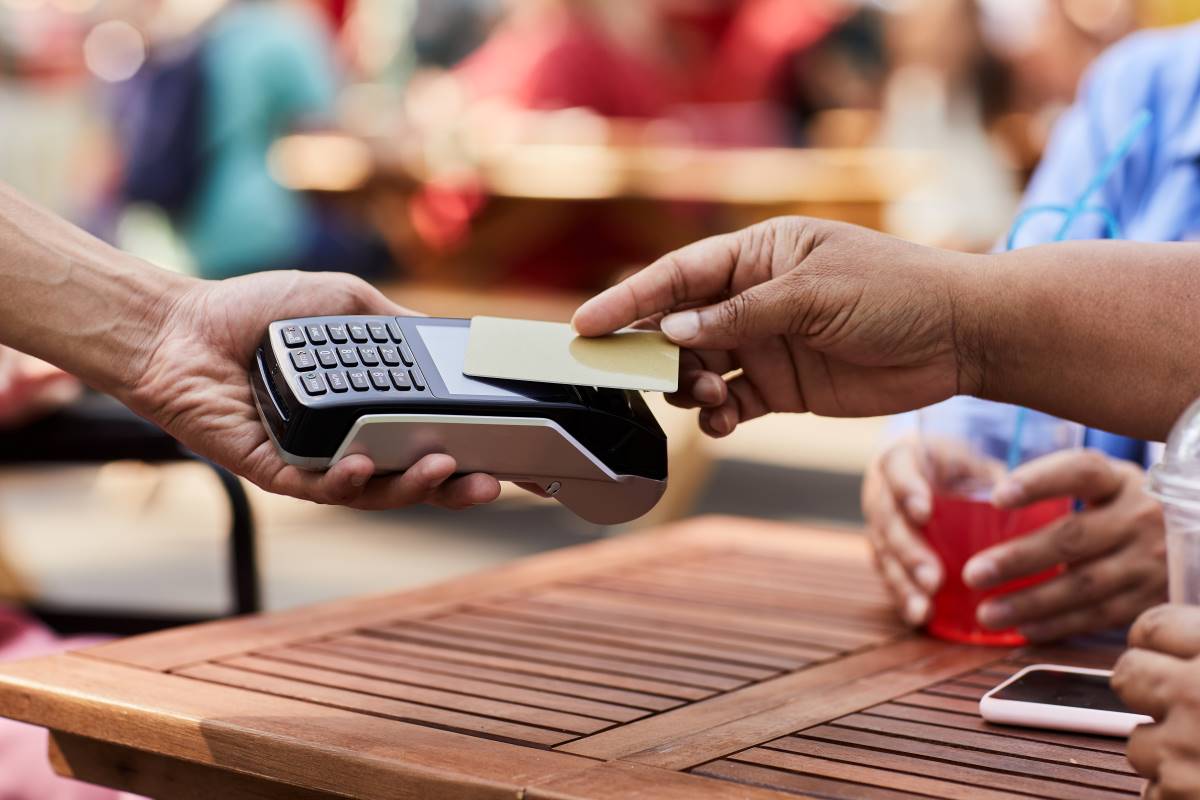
(358, 331)
(378, 331)
(359, 380)
(389, 355)
(369, 356)
(337, 333)
(303, 360)
(327, 356)
(418, 380)
(313, 384)
(348, 356)
(394, 329)
(292, 336)
(379, 377)
(400, 380)
(406, 355)
(316, 334)
(336, 381)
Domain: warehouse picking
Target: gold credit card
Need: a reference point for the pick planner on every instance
(551, 352)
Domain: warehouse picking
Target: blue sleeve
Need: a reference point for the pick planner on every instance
(304, 74)
(1117, 86)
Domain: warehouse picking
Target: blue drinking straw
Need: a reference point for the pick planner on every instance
(1071, 213)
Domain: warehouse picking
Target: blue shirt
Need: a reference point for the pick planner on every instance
(267, 68)
(1154, 193)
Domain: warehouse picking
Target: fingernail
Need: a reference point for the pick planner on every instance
(915, 609)
(995, 614)
(681, 327)
(928, 577)
(359, 480)
(980, 572)
(1006, 494)
(918, 506)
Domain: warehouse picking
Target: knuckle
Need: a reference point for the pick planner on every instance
(1147, 518)
(1093, 467)
(1081, 582)
(1071, 539)
(734, 313)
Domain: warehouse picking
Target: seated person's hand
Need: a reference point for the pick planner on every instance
(30, 388)
(897, 500)
(1114, 550)
(1160, 677)
(196, 387)
(798, 314)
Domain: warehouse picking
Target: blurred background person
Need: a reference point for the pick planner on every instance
(1114, 548)
(196, 122)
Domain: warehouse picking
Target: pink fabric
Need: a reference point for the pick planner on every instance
(25, 772)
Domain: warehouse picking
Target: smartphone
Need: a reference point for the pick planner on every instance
(1061, 698)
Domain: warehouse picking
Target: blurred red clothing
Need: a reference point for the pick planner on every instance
(733, 54)
(562, 60)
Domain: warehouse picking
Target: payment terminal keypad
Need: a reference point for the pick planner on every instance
(352, 357)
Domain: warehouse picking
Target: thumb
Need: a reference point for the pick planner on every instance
(757, 313)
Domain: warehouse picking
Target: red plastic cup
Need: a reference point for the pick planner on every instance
(958, 528)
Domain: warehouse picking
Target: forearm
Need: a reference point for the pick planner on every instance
(75, 301)
(1102, 332)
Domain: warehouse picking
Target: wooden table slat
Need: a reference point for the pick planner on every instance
(751, 624)
(973, 722)
(646, 692)
(990, 739)
(717, 645)
(702, 684)
(870, 615)
(451, 700)
(864, 770)
(343, 662)
(349, 700)
(642, 646)
(998, 771)
(800, 783)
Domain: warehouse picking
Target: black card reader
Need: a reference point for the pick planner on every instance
(393, 388)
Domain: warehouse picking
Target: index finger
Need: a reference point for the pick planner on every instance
(1087, 474)
(1170, 629)
(700, 271)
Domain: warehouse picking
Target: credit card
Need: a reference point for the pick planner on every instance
(551, 352)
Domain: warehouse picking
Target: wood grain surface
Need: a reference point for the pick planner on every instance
(719, 658)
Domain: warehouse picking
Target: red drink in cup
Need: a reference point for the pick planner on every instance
(968, 447)
(960, 527)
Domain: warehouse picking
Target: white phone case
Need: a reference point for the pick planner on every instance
(1055, 717)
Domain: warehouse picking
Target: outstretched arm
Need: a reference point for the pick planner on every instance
(177, 350)
(797, 314)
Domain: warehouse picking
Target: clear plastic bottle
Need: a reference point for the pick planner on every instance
(1175, 481)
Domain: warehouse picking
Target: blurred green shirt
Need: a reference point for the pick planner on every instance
(267, 67)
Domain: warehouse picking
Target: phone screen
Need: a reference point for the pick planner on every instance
(1059, 688)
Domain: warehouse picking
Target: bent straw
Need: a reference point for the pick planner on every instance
(1071, 213)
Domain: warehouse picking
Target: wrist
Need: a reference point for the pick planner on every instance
(130, 303)
(974, 338)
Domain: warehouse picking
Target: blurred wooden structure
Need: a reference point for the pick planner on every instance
(720, 658)
(656, 198)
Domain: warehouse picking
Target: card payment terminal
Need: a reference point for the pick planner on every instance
(393, 388)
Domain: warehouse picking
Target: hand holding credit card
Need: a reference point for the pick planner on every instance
(551, 352)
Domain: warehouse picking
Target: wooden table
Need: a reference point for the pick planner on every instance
(718, 658)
